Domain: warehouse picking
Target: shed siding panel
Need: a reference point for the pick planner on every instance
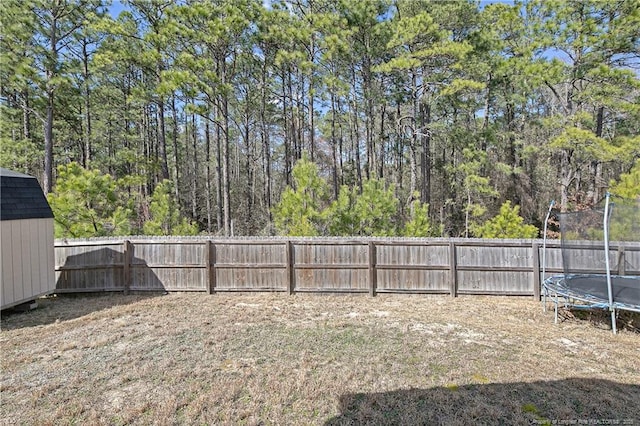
(29, 239)
(27, 260)
(51, 281)
(8, 291)
(18, 273)
(40, 266)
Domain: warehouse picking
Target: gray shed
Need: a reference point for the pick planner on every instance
(26, 231)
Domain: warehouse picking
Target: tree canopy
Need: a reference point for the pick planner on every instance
(319, 117)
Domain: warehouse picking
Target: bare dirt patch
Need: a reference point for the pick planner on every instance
(311, 359)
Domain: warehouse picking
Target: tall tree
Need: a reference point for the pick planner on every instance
(588, 81)
(56, 24)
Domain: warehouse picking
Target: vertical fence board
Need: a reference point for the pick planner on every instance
(290, 274)
(373, 275)
(453, 279)
(535, 251)
(126, 268)
(211, 266)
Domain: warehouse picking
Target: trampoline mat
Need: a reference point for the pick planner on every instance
(625, 289)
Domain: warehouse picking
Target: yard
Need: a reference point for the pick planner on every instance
(312, 359)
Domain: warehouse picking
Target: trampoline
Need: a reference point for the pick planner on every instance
(585, 245)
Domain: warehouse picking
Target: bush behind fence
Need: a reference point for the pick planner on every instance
(356, 265)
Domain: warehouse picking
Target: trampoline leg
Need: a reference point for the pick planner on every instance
(556, 313)
(613, 321)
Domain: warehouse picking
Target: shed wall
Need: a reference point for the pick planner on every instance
(27, 254)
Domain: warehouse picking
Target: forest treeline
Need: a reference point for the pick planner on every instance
(326, 117)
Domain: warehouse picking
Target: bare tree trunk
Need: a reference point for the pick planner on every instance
(47, 181)
(287, 133)
(226, 195)
(188, 180)
(87, 105)
(162, 141)
(298, 118)
(413, 147)
(48, 145)
(195, 164)
(513, 186)
(425, 155)
(219, 210)
(399, 153)
(249, 165)
(146, 149)
(176, 155)
(334, 146)
(487, 110)
(312, 143)
(356, 132)
(566, 177)
(597, 165)
(26, 115)
(383, 139)
(355, 143)
(367, 83)
(340, 144)
(266, 146)
(207, 138)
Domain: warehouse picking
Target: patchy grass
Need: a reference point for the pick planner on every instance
(311, 359)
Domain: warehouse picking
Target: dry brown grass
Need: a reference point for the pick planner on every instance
(311, 359)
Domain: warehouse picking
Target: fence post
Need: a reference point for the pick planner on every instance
(535, 248)
(126, 266)
(621, 262)
(211, 266)
(453, 268)
(373, 274)
(291, 273)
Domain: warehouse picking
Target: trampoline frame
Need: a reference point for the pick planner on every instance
(556, 289)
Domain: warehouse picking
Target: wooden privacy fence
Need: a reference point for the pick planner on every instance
(440, 266)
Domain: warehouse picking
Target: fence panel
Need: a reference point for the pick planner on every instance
(251, 266)
(168, 266)
(494, 269)
(89, 267)
(326, 265)
(413, 267)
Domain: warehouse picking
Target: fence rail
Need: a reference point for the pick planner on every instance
(441, 266)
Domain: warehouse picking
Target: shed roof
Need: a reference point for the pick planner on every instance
(21, 197)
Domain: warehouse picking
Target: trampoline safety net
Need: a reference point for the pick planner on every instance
(598, 271)
(582, 228)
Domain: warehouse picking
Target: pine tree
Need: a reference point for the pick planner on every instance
(299, 211)
(87, 203)
(165, 217)
(507, 224)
